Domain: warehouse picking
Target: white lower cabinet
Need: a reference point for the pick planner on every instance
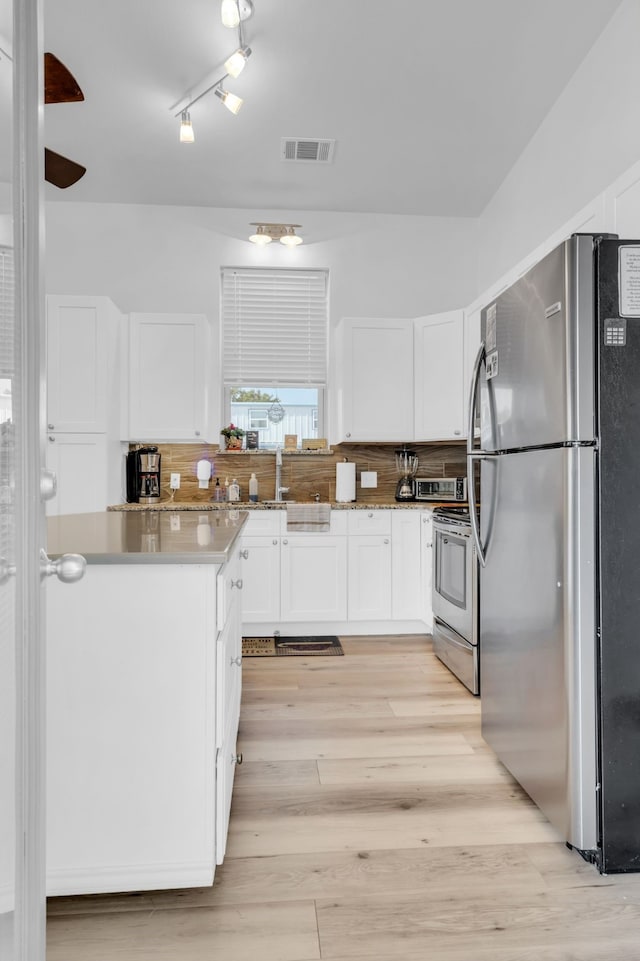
(228, 694)
(369, 577)
(408, 587)
(261, 578)
(426, 566)
(314, 578)
(143, 701)
(371, 571)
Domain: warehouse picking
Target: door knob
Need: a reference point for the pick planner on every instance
(48, 484)
(69, 568)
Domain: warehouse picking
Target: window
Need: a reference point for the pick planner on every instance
(257, 419)
(274, 351)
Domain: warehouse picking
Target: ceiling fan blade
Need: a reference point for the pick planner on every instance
(60, 171)
(60, 85)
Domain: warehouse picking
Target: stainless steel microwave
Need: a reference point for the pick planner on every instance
(440, 488)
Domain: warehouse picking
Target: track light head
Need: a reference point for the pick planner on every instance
(230, 100)
(233, 12)
(237, 61)
(186, 128)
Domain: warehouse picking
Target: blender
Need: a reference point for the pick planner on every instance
(407, 466)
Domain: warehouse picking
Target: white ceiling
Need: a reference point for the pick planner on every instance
(430, 101)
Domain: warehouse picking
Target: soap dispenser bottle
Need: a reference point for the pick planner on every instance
(253, 489)
(234, 490)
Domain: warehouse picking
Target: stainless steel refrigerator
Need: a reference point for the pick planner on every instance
(557, 385)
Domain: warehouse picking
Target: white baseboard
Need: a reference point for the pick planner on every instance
(126, 877)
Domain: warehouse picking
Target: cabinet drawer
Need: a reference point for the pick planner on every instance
(369, 522)
(264, 522)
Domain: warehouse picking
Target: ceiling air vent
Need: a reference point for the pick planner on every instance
(308, 151)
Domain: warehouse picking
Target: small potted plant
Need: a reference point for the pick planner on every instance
(232, 437)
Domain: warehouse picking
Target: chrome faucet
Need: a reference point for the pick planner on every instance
(279, 489)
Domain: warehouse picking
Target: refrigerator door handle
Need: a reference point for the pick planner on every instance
(473, 455)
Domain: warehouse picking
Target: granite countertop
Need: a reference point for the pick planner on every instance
(164, 506)
(150, 537)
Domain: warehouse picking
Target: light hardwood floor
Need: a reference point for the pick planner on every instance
(369, 821)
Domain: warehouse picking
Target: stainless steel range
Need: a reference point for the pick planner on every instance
(455, 595)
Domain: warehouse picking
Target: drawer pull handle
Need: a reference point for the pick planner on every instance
(244, 553)
(386, 540)
(237, 661)
(237, 584)
(369, 515)
(274, 541)
(236, 758)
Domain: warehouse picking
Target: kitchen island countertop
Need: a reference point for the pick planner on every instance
(150, 537)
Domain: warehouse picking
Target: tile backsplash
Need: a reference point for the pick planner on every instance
(304, 473)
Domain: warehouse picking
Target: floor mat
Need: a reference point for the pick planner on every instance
(290, 646)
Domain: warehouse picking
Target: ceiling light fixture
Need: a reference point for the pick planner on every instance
(285, 233)
(237, 61)
(186, 128)
(230, 100)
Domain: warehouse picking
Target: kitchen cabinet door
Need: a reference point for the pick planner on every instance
(426, 547)
(168, 394)
(89, 471)
(407, 596)
(83, 343)
(439, 386)
(377, 380)
(314, 577)
(260, 578)
(369, 577)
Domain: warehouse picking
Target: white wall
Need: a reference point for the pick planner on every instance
(588, 139)
(152, 258)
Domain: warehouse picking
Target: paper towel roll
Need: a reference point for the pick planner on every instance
(345, 482)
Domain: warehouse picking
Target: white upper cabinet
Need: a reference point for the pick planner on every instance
(403, 380)
(82, 363)
(438, 357)
(377, 381)
(168, 366)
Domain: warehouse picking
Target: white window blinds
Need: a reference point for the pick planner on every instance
(274, 327)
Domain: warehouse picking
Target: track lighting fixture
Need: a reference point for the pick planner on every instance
(233, 13)
(186, 129)
(237, 61)
(230, 100)
(285, 233)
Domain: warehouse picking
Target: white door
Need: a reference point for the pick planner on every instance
(22, 926)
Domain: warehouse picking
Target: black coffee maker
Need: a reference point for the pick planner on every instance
(143, 476)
